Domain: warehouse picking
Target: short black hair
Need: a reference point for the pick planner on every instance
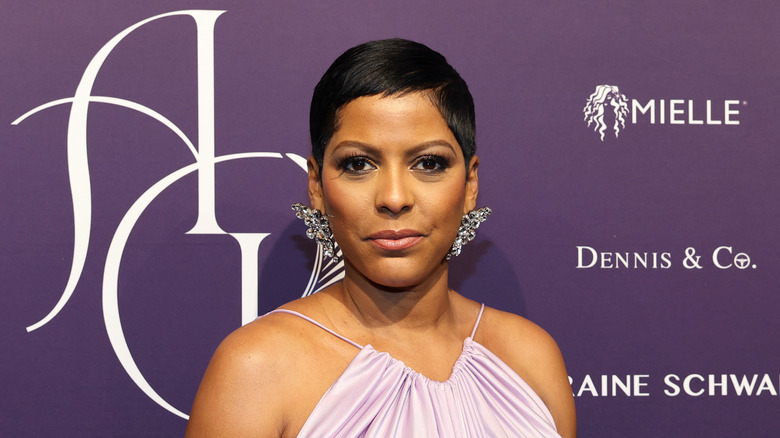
(391, 67)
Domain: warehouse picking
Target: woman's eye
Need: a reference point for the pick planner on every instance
(431, 163)
(356, 165)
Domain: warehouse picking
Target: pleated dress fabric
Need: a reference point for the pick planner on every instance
(379, 396)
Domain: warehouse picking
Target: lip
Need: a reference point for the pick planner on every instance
(392, 240)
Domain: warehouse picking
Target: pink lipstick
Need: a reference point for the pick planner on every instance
(392, 240)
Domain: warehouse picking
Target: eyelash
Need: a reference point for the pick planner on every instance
(351, 160)
(347, 164)
(441, 163)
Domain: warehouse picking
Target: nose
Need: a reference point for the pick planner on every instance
(394, 194)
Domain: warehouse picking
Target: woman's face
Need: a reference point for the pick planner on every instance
(394, 185)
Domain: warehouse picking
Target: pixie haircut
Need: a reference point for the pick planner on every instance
(392, 67)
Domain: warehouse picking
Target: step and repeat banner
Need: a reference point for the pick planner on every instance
(150, 152)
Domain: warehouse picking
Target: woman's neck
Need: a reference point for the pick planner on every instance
(423, 305)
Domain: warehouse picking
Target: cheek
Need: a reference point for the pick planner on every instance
(445, 205)
(455, 194)
(346, 204)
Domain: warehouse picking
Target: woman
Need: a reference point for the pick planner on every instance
(390, 350)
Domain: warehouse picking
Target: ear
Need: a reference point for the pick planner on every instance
(472, 185)
(316, 195)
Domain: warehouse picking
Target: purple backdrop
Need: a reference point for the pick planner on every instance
(684, 346)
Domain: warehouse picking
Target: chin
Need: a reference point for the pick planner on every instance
(400, 273)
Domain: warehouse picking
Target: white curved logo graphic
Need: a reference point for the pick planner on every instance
(325, 271)
(594, 109)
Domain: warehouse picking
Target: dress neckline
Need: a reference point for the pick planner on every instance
(466, 350)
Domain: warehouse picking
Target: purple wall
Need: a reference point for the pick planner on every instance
(681, 350)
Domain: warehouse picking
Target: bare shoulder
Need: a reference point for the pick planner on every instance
(517, 338)
(534, 355)
(263, 379)
(243, 379)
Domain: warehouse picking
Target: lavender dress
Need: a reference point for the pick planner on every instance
(379, 396)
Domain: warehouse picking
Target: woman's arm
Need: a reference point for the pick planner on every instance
(242, 392)
(535, 356)
(553, 381)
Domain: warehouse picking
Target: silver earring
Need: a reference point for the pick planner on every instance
(468, 229)
(319, 228)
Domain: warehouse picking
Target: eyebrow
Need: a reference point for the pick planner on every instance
(376, 150)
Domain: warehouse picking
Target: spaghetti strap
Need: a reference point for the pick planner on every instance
(300, 315)
(479, 318)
